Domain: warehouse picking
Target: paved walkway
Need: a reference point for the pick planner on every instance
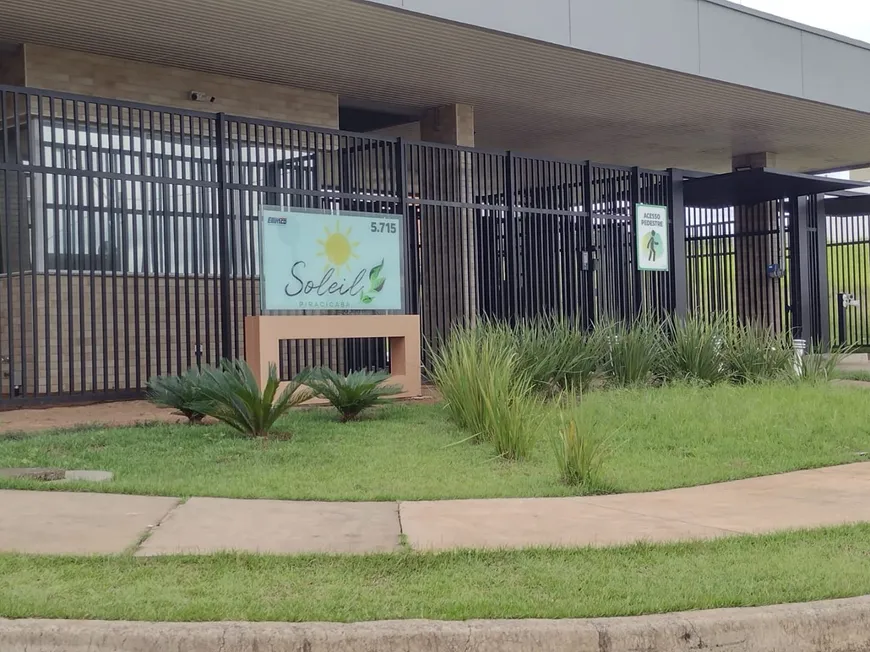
(88, 523)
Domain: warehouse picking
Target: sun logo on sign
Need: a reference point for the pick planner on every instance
(338, 248)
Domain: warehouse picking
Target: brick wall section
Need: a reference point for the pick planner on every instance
(12, 67)
(14, 231)
(11, 74)
(90, 74)
(76, 336)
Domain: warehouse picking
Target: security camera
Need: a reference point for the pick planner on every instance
(199, 96)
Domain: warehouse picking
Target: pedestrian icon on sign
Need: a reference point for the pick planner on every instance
(653, 243)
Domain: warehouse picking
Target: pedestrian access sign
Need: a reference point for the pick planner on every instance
(653, 247)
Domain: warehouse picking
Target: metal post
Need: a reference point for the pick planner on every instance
(511, 245)
(823, 337)
(679, 272)
(800, 350)
(800, 301)
(225, 257)
(841, 318)
(588, 254)
(409, 223)
(636, 273)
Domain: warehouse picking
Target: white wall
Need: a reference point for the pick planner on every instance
(709, 38)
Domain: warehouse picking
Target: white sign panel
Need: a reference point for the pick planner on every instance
(314, 260)
(653, 247)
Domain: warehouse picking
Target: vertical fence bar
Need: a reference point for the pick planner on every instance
(679, 270)
(635, 273)
(224, 253)
(589, 261)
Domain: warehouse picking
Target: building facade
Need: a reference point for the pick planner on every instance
(138, 145)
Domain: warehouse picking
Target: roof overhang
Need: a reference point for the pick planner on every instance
(758, 185)
(847, 205)
(549, 98)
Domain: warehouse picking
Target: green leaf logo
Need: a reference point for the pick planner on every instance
(376, 283)
(375, 272)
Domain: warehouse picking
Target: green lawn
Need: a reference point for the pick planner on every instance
(662, 438)
(746, 571)
(861, 376)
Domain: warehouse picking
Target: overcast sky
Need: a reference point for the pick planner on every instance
(848, 17)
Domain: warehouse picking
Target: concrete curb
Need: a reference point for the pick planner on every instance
(835, 626)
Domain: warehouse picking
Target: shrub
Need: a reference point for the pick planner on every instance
(467, 360)
(511, 414)
(557, 355)
(476, 370)
(694, 349)
(350, 394)
(181, 393)
(756, 354)
(580, 455)
(817, 366)
(231, 395)
(634, 352)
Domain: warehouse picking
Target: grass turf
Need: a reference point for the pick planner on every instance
(638, 579)
(662, 438)
(861, 376)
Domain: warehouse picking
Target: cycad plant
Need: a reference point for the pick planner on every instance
(350, 394)
(231, 395)
(180, 393)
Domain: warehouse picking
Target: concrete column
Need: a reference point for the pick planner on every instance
(759, 297)
(452, 124)
(448, 232)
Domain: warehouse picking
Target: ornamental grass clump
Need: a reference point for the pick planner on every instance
(580, 453)
(558, 355)
(756, 354)
(476, 370)
(635, 352)
(694, 349)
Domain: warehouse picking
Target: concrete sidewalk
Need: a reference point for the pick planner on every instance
(87, 523)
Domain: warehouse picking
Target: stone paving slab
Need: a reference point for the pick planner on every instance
(824, 497)
(69, 523)
(88, 523)
(535, 522)
(208, 525)
(804, 499)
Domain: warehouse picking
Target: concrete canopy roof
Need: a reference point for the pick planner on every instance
(529, 95)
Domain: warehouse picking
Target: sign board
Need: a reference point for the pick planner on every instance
(317, 260)
(653, 247)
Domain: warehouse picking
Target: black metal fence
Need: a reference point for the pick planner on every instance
(129, 241)
(848, 269)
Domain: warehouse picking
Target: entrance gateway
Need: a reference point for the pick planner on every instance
(147, 260)
(327, 275)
